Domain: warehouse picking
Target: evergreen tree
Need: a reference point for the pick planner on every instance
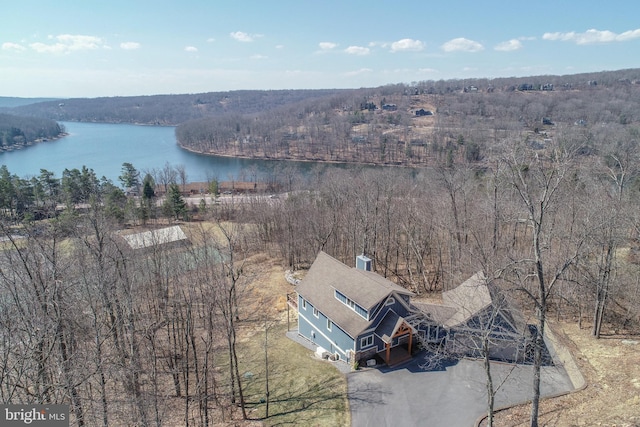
(130, 177)
(174, 204)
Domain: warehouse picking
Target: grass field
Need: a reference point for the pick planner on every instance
(303, 390)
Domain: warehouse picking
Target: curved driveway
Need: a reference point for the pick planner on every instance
(452, 397)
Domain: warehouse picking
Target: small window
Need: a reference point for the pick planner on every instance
(366, 341)
(390, 301)
(304, 303)
(315, 312)
(329, 324)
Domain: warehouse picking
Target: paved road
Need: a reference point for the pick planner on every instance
(452, 397)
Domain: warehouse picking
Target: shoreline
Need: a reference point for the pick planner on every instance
(320, 161)
(22, 145)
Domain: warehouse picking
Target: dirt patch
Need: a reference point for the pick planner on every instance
(611, 367)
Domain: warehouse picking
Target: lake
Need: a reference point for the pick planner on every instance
(105, 147)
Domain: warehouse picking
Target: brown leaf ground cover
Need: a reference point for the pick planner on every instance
(306, 391)
(611, 397)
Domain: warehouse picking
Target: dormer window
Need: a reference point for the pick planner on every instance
(351, 304)
(390, 301)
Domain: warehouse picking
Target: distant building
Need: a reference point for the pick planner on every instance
(423, 112)
(159, 237)
(389, 107)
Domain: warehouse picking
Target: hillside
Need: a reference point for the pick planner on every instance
(18, 131)
(165, 109)
(12, 102)
(424, 123)
(428, 122)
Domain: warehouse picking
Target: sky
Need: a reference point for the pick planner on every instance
(91, 48)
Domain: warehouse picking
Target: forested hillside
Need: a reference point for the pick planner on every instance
(166, 109)
(11, 102)
(427, 123)
(18, 131)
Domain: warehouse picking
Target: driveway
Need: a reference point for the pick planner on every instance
(451, 397)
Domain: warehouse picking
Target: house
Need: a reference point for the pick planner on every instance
(162, 236)
(389, 107)
(423, 112)
(354, 314)
(478, 308)
(351, 312)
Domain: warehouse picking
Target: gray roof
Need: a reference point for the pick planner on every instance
(150, 238)
(469, 299)
(437, 313)
(389, 325)
(365, 288)
(475, 295)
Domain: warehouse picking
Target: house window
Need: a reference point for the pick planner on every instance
(351, 304)
(315, 312)
(366, 341)
(329, 324)
(390, 301)
(304, 303)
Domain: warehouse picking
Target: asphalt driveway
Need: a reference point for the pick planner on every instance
(454, 396)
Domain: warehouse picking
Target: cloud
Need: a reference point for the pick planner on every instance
(244, 37)
(258, 56)
(68, 43)
(462, 45)
(357, 50)
(407, 45)
(190, 49)
(210, 40)
(13, 46)
(593, 36)
(130, 45)
(324, 46)
(509, 45)
(358, 72)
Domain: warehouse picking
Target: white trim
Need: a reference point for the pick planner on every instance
(390, 301)
(368, 337)
(351, 304)
(304, 303)
(329, 324)
(328, 339)
(316, 312)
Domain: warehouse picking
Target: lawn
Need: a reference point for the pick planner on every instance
(303, 390)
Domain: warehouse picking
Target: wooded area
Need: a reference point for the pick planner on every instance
(425, 123)
(549, 213)
(16, 132)
(555, 228)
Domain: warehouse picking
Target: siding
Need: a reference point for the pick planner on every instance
(334, 341)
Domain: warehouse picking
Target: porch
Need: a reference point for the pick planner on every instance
(395, 356)
(397, 336)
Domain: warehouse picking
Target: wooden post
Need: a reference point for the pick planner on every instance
(410, 339)
(388, 356)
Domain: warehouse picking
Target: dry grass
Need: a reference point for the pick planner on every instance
(303, 389)
(611, 367)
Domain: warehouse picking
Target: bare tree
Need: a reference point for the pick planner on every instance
(538, 181)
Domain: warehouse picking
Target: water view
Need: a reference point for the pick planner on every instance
(105, 147)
